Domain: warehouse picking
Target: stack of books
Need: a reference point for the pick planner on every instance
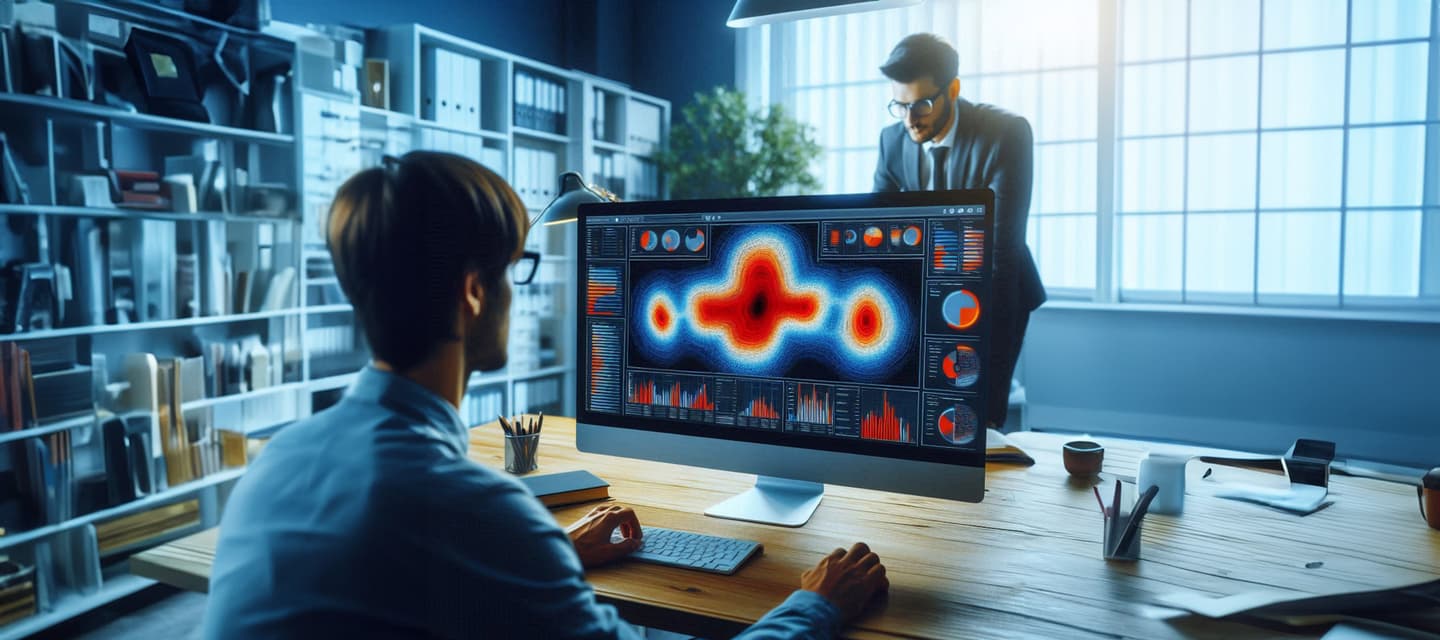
(142, 190)
(137, 528)
(17, 591)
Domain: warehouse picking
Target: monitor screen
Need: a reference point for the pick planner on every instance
(855, 324)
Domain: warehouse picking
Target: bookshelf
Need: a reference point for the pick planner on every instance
(296, 340)
(534, 121)
(121, 257)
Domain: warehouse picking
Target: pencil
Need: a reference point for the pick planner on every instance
(1103, 512)
(506, 426)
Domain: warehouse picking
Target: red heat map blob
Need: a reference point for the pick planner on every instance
(751, 311)
(660, 316)
(865, 322)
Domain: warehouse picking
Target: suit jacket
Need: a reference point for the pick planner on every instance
(994, 149)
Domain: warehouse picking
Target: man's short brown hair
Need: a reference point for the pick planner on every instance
(404, 235)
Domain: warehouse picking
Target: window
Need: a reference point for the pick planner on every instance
(1250, 152)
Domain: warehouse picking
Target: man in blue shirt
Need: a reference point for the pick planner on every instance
(368, 520)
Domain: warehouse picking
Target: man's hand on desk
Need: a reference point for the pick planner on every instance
(591, 535)
(848, 579)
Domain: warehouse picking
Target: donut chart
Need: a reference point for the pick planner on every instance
(961, 367)
(961, 309)
(911, 236)
(958, 424)
(851, 237)
(695, 240)
(671, 240)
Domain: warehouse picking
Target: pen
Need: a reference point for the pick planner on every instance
(540, 423)
(1103, 512)
(1115, 504)
(1133, 524)
(506, 426)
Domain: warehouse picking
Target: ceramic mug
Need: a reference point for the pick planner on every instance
(1166, 471)
(1084, 458)
(1429, 494)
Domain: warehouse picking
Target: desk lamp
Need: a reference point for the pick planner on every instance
(573, 193)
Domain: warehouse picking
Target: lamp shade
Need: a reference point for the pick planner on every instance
(573, 193)
(749, 13)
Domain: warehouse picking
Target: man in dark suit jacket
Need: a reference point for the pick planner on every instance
(974, 146)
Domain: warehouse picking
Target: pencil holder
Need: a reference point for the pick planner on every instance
(1113, 532)
(520, 453)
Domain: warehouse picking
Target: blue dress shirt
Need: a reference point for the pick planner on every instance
(368, 520)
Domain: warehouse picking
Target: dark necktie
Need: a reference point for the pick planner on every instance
(938, 174)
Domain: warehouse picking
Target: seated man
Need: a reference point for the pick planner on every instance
(368, 519)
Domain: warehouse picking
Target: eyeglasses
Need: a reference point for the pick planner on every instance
(522, 271)
(920, 108)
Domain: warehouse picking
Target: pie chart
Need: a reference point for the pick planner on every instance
(958, 424)
(961, 367)
(874, 236)
(851, 237)
(961, 309)
(911, 236)
(648, 240)
(695, 240)
(671, 240)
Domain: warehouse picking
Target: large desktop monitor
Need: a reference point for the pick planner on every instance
(809, 340)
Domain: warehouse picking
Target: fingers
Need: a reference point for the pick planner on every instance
(858, 551)
(876, 575)
(622, 517)
(837, 554)
(870, 560)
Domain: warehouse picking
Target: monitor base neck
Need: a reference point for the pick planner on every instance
(788, 503)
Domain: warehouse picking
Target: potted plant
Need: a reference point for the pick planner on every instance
(724, 149)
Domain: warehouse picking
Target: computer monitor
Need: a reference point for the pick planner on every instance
(809, 340)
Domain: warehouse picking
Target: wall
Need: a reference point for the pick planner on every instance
(1239, 381)
(531, 28)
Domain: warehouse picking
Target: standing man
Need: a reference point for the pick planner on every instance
(946, 142)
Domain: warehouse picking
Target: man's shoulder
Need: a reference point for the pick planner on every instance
(892, 135)
(992, 121)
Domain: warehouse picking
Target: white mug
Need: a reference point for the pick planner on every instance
(1166, 471)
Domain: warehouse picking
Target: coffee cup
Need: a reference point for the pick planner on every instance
(1084, 458)
(1429, 494)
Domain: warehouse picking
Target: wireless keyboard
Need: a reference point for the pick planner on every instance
(693, 550)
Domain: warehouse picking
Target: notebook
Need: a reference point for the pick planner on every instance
(998, 448)
(572, 487)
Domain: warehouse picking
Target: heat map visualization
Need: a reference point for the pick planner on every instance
(765, 307)
(849, 327)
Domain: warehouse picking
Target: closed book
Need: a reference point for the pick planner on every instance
(571, 487)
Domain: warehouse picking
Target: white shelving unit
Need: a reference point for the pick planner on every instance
(544, 312)
(328, 138)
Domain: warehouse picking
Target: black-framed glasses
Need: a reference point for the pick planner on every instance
(522, 271)
(920, 108)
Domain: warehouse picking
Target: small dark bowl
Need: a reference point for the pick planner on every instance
(1084, 458)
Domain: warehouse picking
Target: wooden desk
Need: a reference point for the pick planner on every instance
(1023, 563)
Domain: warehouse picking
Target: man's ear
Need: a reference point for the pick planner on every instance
(473, 302)
(954, 90)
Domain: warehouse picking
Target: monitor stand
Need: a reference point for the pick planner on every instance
(788, 503)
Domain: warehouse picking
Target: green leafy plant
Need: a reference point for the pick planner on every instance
(723, 149)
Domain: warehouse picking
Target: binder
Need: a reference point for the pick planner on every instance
(548, 177)
(429, 73)
(471, 112)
